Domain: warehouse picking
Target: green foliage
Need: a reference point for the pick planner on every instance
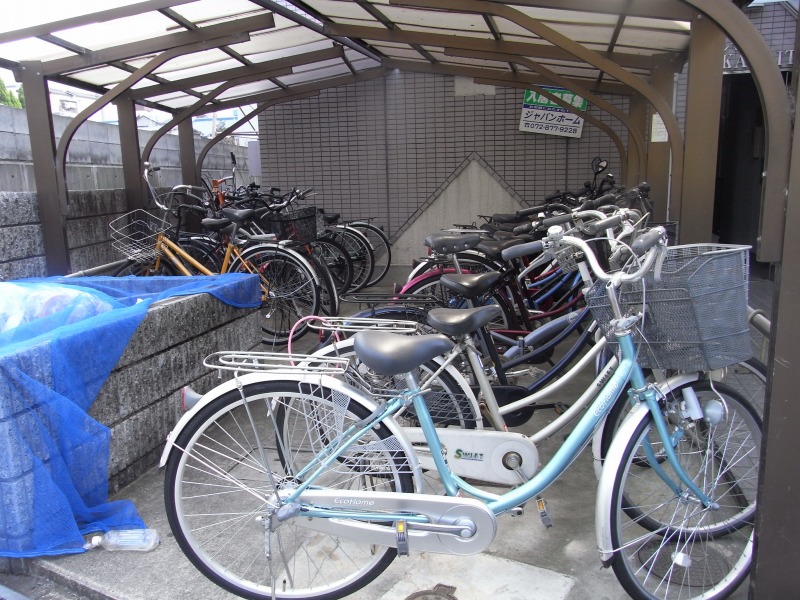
(9, 98)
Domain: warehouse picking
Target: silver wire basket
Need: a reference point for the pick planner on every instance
(134, 234)
(695, 308)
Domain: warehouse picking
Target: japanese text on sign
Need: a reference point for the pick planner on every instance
(542, 115)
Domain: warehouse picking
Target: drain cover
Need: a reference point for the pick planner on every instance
(439, 592)
(693, 565)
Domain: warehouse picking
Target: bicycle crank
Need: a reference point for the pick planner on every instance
(452, 525)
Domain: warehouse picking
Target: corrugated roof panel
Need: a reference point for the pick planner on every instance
(186, 61)
(56, 11)
(247, 90)
(315, 75)
(208, 13)
(290, 51)
(103, 76)
(658, 41)
(202, 69)
(32, 49)
(276, 39)
(119, 31)
(430, 18)
(339, 9)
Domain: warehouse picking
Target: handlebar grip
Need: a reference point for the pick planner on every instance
(153, 169)
(643, 187)
(525, 228)
(598, 202)
(557, 220)
(522, 250)
(527, 212)
(647, 240)
(597, 226)
(554, 196)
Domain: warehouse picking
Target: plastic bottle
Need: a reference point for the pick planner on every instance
(136, 540)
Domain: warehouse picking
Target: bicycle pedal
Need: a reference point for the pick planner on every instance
(541, 506)
(401, 531)
(560, 407)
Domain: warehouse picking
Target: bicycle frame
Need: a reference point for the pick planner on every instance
(628, 370)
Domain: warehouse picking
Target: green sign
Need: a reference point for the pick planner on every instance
(536, 99)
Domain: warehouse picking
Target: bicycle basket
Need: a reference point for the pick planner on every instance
(695, 301)
(134, 234)
(298, 226)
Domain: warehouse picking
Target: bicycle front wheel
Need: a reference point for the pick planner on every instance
(224, 475)
(668, 545)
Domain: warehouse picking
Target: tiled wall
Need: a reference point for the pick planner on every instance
(382, 148)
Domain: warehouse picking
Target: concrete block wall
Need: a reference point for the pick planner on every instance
(140, 401)
(383, 148)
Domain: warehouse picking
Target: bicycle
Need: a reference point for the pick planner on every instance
(326, 509)
(289, 284)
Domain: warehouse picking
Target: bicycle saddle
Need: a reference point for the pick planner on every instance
(392, 353)
(238, 214)
(469, 285)
(458, 321)
(493, 248)
(443, 243)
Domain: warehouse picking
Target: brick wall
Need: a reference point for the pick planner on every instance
(382, 148)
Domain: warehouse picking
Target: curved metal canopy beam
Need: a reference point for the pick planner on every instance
(190, 111)
(589, 56)
(777, 118)
(247, 116)
(119, 89)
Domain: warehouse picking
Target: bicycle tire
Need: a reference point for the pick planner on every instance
(381, 247)
(329, 295)
(669, 542)
(290, 291)
(335, 256)
(216, 484)
(358, 249)
(204, 250)
(748, 378)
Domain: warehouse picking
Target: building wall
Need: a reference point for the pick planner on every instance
(384, 148)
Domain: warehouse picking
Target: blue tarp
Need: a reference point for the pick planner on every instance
(59, 340)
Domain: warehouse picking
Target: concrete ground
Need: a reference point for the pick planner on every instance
(526, 561)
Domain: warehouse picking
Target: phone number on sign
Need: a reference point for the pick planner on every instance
(549, 127)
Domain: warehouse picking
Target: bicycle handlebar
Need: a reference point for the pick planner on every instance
(522, 250)
(656, 243)
(598, 202)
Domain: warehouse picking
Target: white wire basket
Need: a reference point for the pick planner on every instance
(134, 234)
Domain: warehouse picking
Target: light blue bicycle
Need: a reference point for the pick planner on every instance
(286, 482)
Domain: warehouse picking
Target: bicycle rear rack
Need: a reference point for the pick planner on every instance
(275, 363)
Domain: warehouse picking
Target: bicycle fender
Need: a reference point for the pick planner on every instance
(324, 380)
(605, 488)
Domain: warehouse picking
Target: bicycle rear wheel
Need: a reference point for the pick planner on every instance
(358, 249)
(222, 480)
(335, 256)
(381, 247)
(289, 291)
(668, 545)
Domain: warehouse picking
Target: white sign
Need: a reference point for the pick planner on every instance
(658, 131)
(542, 115)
